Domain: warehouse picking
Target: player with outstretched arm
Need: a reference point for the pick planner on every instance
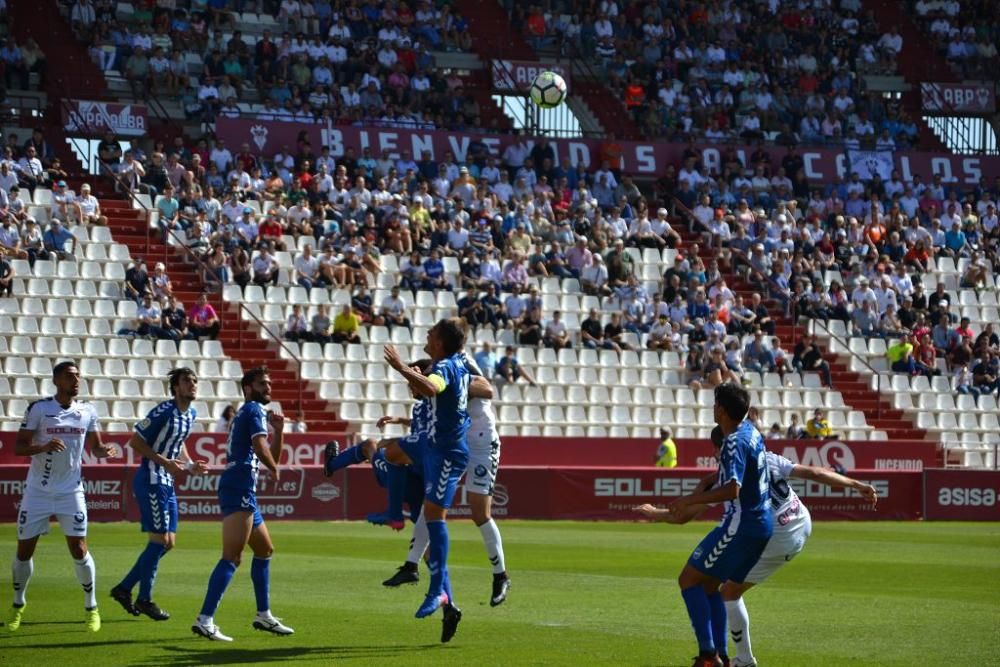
(242, 523)
(792, 527)
(160, 439)
(54, 433)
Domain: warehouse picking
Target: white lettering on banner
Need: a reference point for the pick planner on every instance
(388, 141)
(202, 508)
(646, 159)
(103, 487)
(579, 154)
(492, 144)
(207, 486)
(826, 456)
(970, 167)
(840, 161)
(459, 149)
(809, 489)
(807, 164)
(638, 487)
(899, 464)
(420, 143)
(712, 161)
(12, 487)
(335, 140)
(966, 497)
(942, 166)
(904, 168)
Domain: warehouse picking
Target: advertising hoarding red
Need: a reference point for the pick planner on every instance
(642, 159)
(958, 98)
(962, 495)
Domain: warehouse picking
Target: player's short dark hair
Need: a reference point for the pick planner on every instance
(717, 437)
(452, 331)
(733, 399)
(423, 364)
(175, 376)
(62, 367)
(252, 376)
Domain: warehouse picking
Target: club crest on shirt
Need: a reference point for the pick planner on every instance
(144, 424)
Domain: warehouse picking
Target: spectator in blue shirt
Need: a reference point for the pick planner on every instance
(434, 277)
(55, 240)
(954, 241)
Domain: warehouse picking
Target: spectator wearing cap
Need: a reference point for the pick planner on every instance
(203, 320)
(160, 282)
(56, 238)
(88, 208)
(265, 268)
(63, 203)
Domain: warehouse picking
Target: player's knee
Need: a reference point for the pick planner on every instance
(235, 559)
(264, 552)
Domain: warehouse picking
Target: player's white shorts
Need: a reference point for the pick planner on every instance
(37, 506)
(784, 545)
(484, 461)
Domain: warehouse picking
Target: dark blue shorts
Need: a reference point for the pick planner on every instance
(443, 469)
(727, 555)
(232, 500)
(157, 504)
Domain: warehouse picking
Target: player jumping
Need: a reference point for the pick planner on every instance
(53, 434)
(792, 527)
(242, 523)
(159, 439)
(732, 549)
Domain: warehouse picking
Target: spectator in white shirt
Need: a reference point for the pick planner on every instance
(265, 268)
(307, 271)
(393, 310)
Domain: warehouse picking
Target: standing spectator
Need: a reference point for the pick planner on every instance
(510, 370)
(203, 320)
(296, 328)
(346, 326)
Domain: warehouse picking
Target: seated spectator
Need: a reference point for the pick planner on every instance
(393, 310)
(137, 282)
(615, 332)
(433, 272)
(901, 359)
(7, 275)
(757, 357)
(486, 359)
(203, 321)
(510, 370)
(10, 240)
(265, 268)
(514, 274)
(174, 320)
(31, 242)
(556, 335)
(471, 309)
(714, 372)
(320, 326)
(162, 287)
(346, 326)
(775, 432)
(818, 428)
(56, 238)
(296, 328)
(809, 358)
(148, 318)
(594, 277)
(986, 373)
(661, 334)
(225, 420)
(88, 209)
(307, 269)
(795, 429)
(530, 331)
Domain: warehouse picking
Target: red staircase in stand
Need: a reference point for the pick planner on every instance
(856, 392)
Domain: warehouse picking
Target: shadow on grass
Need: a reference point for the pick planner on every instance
(66, 645)
(187, 656)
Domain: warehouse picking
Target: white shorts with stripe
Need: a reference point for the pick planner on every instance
(70, 509)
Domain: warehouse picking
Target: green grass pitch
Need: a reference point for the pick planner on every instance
(900, 594)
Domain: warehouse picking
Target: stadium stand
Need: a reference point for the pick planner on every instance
(700, 247)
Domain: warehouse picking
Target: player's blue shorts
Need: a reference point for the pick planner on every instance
(239, 499)
(157, 504)
(413, 496)
(442, 471)
(727, 556)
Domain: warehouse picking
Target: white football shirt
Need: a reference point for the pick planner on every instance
(788, 509)
(58, 472)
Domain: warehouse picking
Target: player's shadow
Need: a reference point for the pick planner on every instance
(183, 656)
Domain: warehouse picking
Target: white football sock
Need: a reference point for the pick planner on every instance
(420, 540)
(739, 630)
(494, 545)
(21, 571)
(86, 574)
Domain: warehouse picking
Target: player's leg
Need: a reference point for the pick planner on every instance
(397, 455)
(479, 482)
(260, 574)
(158, 515)
(739, 622)
(71, 512)
(21, 569)
(236, 528)
(409, 571)
(701, 573)
(335, 459)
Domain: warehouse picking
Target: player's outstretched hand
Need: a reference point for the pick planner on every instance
(55, 445)
(197, 467)
(384, 421)
(108, 450)
(392, 357)
(648, 511)
(869, 493)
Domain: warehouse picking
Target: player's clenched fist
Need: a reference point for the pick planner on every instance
(55, 445)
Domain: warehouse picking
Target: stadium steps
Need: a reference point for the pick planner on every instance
(857, 394)
(240, 340)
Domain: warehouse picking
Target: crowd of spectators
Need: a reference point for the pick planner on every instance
(790, 71)
(963, 32)
(343, 61)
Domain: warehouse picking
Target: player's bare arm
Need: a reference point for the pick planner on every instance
(386, 420)
(101, 450)
(420, 384)
(831, 478)
(139, 444)
(23, 445)
(667, 515)
(728, 491)
(480, 387)
(190, 465)
(263, 452)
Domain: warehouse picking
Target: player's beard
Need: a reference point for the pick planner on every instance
(260, 397)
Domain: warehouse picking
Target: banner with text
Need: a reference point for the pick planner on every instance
(642, 159)
(307, 450)
(515, 76)
(869, 163)
(94, 118)
(522, 492)
(958, 98)
(962, 495)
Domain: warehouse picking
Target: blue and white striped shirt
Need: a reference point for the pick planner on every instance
(165, 429)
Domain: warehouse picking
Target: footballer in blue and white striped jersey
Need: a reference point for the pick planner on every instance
(165, 429)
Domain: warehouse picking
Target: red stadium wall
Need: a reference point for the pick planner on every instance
(529, 492)
(307, 450)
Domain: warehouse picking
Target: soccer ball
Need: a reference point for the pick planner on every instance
(548, 90)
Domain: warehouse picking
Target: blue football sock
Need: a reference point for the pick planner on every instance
(700, 615)
(720, 628)
(132, 578)
(396, 486)
(437, 563)
(348, 457)
(260, 574)
(217, 584)
(148, 562)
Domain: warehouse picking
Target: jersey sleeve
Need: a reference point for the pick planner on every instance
(732, 462)
(32, 417)
(258, 421)
(442, 374)
(149, 427)
(93, 425)
(781, 468)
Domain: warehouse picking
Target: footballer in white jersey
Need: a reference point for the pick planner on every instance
(53, 434)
